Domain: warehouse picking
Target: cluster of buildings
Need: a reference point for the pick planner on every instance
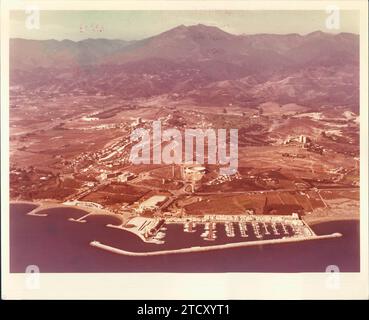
(293, 155)
(119, 176)
(224, 178)
(103, 127)
(192, 172)
(84, 204)
(302, 139)
(137, 122)
(305, 143)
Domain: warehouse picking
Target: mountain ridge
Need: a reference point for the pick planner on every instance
(202, 42)
(191, 61)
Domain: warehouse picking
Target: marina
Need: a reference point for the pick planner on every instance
(285, 231)
(210, 229)
(229, 229)
(266, 231)
(70, 241)
(209, 233)
(189, 227)
(275, 230)
(243, 229)
(218, 229)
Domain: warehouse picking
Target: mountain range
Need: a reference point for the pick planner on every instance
(199, 62)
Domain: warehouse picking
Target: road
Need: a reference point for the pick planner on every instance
(278, 190)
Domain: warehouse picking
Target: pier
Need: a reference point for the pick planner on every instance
(85, 210)
(105, 247)
(81, 219)
(243, 229)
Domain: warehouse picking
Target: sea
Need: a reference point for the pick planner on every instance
(56, 245)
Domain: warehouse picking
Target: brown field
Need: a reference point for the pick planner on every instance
(339, 194)
(159, 184)
(214, 206)
(107, 198)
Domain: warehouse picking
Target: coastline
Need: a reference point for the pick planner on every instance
(313, 221)
(182, 250)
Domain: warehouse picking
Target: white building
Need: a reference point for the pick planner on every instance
(151, 203)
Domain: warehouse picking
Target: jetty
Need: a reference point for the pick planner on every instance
(105, 247)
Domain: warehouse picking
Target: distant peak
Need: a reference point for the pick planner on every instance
(197, 29)
(316, 34)
(180, 27)
(203, 27)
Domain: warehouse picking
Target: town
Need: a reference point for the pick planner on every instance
(271, 194)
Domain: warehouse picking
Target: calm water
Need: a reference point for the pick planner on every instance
(57, 245)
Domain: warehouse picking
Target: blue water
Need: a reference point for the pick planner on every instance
(55, 244)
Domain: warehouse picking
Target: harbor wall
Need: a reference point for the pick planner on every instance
(105, 247)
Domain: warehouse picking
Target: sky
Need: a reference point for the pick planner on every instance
(135, 25)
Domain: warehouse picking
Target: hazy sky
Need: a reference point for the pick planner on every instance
(132, 25)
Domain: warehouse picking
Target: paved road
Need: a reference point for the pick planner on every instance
(278, 190)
